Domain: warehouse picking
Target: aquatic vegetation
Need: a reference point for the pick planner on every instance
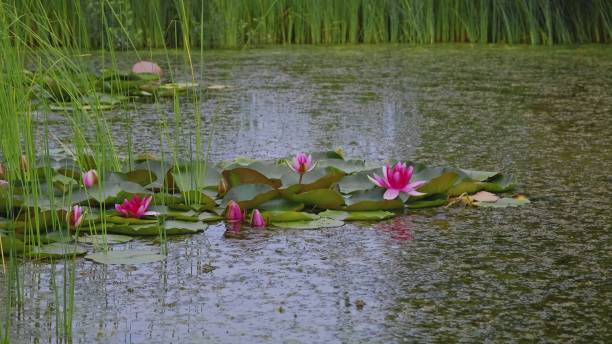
(185, 196)
(147, 67)
(75, 217)
(135, 208)
(396, 180)
(233, 213)
(90, 178)
(301, 164)
(234, 24)
(257, 220)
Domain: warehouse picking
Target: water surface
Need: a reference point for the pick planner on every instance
(537, 273)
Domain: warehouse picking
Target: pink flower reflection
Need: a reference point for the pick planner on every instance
(398, 227)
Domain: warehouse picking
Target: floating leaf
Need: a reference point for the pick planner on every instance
(244, 175)
(373, 215)
(479, 176)
(485, 196)
(322, 198)
(435, 200)
(101, 239)
(281, 204)
(135, 230)
(131, 257)
(371, 200)
(439, 184)
(315, 224)
(10, 244)
(200, 198)
(209, 217)
(183, 227)
(249, 196)
(57, 250)
(356, 182)
(288, 216)
(505, 202)
(189, 177)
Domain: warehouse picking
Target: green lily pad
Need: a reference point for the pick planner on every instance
(157, 172)
(131, 257)
(372, 215)
(315, 224)
(101, 239)
(57, 250)
(288, 216)
(249, 196)
(434, 200)
(281, 204)
(174, 227)
(371, 200)
(322, 198)
(316, 179)
(440, 184)
(209, 217)
(135, 230)
(356, 182)
(128, 220)
(194, 176)
(479, 176)
(244, 175)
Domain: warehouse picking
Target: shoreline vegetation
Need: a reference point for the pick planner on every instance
(135, 24)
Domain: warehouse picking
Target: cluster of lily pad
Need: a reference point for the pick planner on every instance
(154, 197)
(104, 89)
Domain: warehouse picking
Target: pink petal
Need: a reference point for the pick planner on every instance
(416, 193)
(391, 194)
(376, 181)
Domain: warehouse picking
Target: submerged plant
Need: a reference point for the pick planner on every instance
(301, 164)
(233, 213)
(135, 208)
(90, 178)
(257, 220)
(396, 180)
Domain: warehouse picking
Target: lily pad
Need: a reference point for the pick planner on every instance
(288, 216)
(434, 200)
(440, 184)
(281, 204)
(356, 182)
(194, 176)
(371, 200)
(174, 227)
(315, 224)
(322, 198)
(101, 239)
(10, 244)
(373, 215)
(249, 196)
(130, 257)
(504, 202)
(244, 175)
(57, 250)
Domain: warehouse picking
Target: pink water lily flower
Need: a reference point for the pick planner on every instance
(75, 216)
(302, 163)
(90, 178)
(257, 220)
(396, 180)
(233, 213)
(136, 207)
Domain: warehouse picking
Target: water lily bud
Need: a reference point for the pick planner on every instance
(90, 178)
(147, 67)
(75, 217)
(257, 221)
(233, 213)
(2, 171)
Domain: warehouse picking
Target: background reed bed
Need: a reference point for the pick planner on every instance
(238, 23)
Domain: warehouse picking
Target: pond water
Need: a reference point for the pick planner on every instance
(536, 273)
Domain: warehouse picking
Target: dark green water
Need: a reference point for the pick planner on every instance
(533, 274)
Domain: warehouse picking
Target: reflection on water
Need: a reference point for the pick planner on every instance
(457, 274)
